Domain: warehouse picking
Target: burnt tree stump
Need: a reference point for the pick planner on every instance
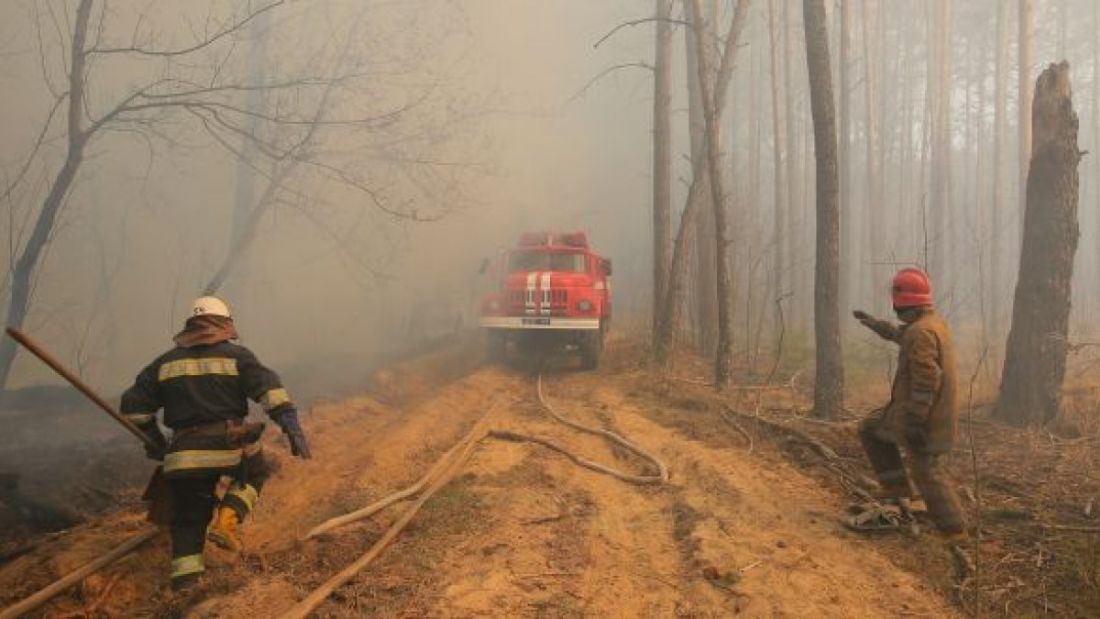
(1035, 355)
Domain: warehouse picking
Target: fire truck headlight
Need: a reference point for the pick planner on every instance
(585, 305)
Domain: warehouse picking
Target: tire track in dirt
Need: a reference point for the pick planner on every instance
(765, 532)
(777, 527)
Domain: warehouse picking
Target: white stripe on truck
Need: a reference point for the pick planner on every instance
(529, 300)
(544, 284)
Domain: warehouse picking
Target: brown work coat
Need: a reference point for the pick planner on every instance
(926, 382)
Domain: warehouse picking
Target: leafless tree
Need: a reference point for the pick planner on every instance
(780, 207)
(1000, 132)
(1026, 42)
(850, 231)
(829, 388)
(723, 364)
(181, 82)
(671, 312)
(662, 156)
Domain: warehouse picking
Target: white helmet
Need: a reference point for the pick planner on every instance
(210, 306)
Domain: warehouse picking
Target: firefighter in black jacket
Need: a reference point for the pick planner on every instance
(203, 385)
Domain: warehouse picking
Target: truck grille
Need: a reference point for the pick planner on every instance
(559, 297)
(555, 299)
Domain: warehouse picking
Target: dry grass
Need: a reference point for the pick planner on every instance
(1032, 481)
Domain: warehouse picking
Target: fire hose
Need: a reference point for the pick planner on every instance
(659, 478)
(445, 469)
(441, 473)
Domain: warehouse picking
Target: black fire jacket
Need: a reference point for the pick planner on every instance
(204, 384)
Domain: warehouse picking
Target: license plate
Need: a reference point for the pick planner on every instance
(545, 322)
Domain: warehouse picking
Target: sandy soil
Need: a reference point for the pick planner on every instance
(523, 531)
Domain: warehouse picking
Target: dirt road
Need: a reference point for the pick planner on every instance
(523, 531)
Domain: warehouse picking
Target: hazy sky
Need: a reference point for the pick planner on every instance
(536, 160)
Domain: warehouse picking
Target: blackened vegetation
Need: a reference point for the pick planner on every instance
(60, 464)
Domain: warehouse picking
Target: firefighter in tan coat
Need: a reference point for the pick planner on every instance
(922, 416)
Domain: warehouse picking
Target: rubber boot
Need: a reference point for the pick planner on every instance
(184, 583)
(187, 571)
(223, 532)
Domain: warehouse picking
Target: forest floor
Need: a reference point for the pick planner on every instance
(749, 523)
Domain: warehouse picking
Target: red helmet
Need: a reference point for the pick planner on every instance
(912, 288)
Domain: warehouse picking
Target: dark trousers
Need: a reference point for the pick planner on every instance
(194, 500)
(882, 440)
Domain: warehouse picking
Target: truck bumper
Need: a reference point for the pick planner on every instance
(540, 322)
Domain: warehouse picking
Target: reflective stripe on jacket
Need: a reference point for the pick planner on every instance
(204, 384)
(210, 449)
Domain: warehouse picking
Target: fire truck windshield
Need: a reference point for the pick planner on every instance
(546, 261)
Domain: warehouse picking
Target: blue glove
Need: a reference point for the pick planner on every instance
(288, 421)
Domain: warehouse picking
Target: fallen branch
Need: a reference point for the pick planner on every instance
(789, 385)
(34, 601)
(852, 481)
(821, 448)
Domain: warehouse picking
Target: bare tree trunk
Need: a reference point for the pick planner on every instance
(1035, 356)
(254, 103)
(705, 299)
(662, 157)
(882, 210)
(1096, 123)
(246, 222)
(980, 200)
(672, 311)
(778, 140)
(905, 203)
(747, 232)
(920, 215)
(1026, 41)
(794, 178)
(723, 365)
(939, 190)
(246, 230)
(829, 388)
(22, 277)
(874, 207)
(1096, 116)
(848, 257)
(1000, 131)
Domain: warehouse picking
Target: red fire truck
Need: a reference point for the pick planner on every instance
(551, 292)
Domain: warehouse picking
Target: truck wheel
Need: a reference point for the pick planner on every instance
(495, 347)
(591, 348)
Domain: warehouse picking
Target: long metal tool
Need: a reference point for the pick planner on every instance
(80, 385)
(155, 491)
